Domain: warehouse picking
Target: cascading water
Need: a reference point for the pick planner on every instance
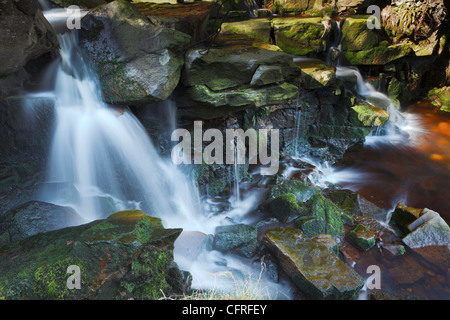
(102, 160)
(401, 128)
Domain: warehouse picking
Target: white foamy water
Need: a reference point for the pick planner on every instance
(102, 160)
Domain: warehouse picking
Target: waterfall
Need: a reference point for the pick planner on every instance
(104, 154)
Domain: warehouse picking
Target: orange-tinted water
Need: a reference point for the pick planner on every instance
(417, 175)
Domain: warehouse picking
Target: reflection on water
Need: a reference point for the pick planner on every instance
(417, 175)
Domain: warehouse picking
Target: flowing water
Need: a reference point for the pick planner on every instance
(102, 160)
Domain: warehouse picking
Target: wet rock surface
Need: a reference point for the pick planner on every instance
(127, 255)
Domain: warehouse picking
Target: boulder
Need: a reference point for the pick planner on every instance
(362, 237)
(380, 55)
(413, 19)
(356, 36)
(316, 74)
(301, 36)
(26, 35)
(234, 64)
(260, 29)
(127, 256)
(237, 72)
(440, 97)
(368, 115)
(296, 6)
(240, 239)
(189, 18)
(428, 230)
(137, 62)
(310, 210)
(309, 262)
(35, 217)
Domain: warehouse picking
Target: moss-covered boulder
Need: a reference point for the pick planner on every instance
(440, 97)
(312, 266)
(238, 72)
(301, 36)
(128, 255)
(368, 115)
(316, 74)
(310, 210)
(379, 55)
(240, 239)
(234, 63)
(259, 29)
(356, 36)
(137, 62)
(362, 237)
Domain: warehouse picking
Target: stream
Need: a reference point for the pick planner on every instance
(107, 155)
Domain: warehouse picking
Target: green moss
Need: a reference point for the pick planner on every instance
(148, 275)
(284, 206)
(362, 237)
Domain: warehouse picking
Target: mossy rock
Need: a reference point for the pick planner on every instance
(285, 206)
(369, 116)
(440, 97)
(112, 254)
(356, 36)
(240, 239)
(380, 55)
(253, 28)
(300, 36)
(362, 237)
(312, 266)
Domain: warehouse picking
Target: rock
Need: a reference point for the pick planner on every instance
(36, 217)
(31, 120)
(233, 64)
(295, 6)
(137, 62)
(244, 97)
(395, 249)
(354, 5)
(322, 208)
(240, 239)
(370, 116)
(316, 74)
(301, 36)
(189, 18)
(362, 237)
(85, 4)
(236, 72)
(259, 29)
(380, 55)
(428, 230)
(293, 199)
(356, 36)
(318, 273)
(284, 207)
(26, 35)
(403, 216)
(127, 256)
(440, 97)
(407, 19)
